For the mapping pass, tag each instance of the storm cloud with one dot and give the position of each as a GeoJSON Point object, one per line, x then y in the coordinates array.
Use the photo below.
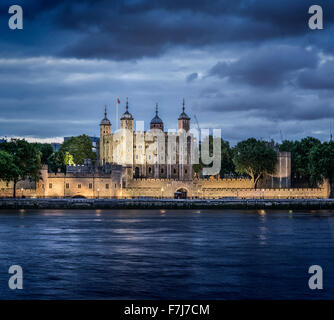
{"type": "Point", "coordinates": [267, 66]}
{"type": "Point", "coordinates": [250, 67]}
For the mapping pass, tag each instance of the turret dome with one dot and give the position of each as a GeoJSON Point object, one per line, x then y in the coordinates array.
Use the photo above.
{"type": "Point", "coordinates": [183, 115]}
{"type": "Point", "coordinates": [156, 122]}
{"type": "Point", "coordinates": [105, 121]}
{"type": "Point", "coordinates": [127, 115]}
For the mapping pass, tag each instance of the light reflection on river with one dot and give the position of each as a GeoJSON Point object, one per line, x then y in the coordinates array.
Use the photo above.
{"type": "Point", "coordinates": [166, 254]}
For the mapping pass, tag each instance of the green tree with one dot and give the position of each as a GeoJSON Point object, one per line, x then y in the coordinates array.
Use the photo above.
{"type": "Point", "coordinates": [300, 157]}
{"type": "Point", "coordinates": [8, 170]}
{"type": "Point", "coordinates": [26, 158]}
{"type": "Point", "coordinates": [227, 166]}
{"type": "Point", "coordinates": [68, 159]}
{"type": "Point", "coordinates": [56, 161]}
{"type": "Point", "coordinates": [322, 162]}
{"type": "Point", "coordinates": [80, 148]}
{"type": "Point", "coordinates": [46, 151]}
{"type": "Point", "coordinates": [255, 158]}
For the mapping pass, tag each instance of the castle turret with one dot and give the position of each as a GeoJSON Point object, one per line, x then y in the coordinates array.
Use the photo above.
{"type": "Point", "coordinates": [105, 125]}
{"type": "Point", "coordinates": [156, 122]}
{"type": "Point", "coordinates": [105, 131]}
{"type": "Point", "coordinates": [127, 119]}
{"type": "Point", "coordinates": [183, 120]}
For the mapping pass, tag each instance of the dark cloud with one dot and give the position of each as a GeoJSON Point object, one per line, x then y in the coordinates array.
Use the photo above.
{"type": "Point", "coordinates": [267, 66]}
{"type": "Point", "coordinates": [278, 105]}
{"type": "Point", "coordinates": [191, 77]}
{"type": "Point", "coordinates": [267, 70]}
{"type": "Point", "coordinates": [132, 29]}
{"type": "Point", "coordinates": [321, 78]}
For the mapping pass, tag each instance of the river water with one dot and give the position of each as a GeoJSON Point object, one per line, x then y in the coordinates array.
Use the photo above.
{"type": "Point", "coordinates": [166, 254]}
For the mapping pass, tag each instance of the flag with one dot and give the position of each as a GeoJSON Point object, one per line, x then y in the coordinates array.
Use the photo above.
{"type": "Point", "coordinates": [118, 101]}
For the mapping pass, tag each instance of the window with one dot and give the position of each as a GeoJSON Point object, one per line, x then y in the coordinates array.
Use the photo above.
{"type": "Point", "coordinates": [174, 170]}
{"type": "Point", "coordinates": [50, 185]}
{"type": "Point", "coordinates": [107, 186]}
{"type": "Point", "coordinates": [185, 171]}
{"type": "Point", "coordinates": [67, 185]}
{"type": "Point", "coordinates": [90, 186]}
{"type": "Point", "coordinates": [115, 186]}
{"type": "Point", "coordinates": [162, 170]}
{"type": "Point", "coordinates": [79, 186]}
{"type": "Point", "coordinates": [7, 185]}
{"type": "Point", "coordinates": [149, 170]}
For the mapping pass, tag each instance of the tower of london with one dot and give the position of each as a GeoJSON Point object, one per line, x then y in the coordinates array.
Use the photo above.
{"type": "Point", "coordinates": [155, 153]}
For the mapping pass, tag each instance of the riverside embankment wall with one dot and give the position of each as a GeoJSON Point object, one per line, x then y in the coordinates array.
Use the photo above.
{"type": "Point", "coordinates": [215, 189]}
{"type": "Point", "coordinates": [97, 204]}
{"type": "Point", "coordinates": [69, 186]}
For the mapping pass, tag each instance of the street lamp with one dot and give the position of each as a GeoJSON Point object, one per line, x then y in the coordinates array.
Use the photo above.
{"type": "Point", "coordinates": [162, 190]}
{"type": "Point", "coordinates": [98, 193]}
{"type": "Point", "coordinates": [21, 192]}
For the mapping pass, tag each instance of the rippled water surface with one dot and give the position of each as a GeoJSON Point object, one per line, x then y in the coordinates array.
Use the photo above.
{"type": "Point", "coordinates": [157, 254]}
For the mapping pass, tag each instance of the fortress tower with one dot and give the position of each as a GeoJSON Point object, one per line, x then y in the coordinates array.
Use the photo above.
{"type": "Point", "coordinates": [105, 125]}
{"type": "Point", "coordinates": [156, 122]}
{"type": "Point", "coordinates": [138, 152]}
{"type": "Point", "coordinates": [127, 119]}
{"type": "Point", "coordinates": [105, 132]}
{"type": "Point", "coordinates": [183, 120]}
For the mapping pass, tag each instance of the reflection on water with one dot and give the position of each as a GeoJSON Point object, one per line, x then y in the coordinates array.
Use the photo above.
{"type": "Point", "coordinates": [166, 254]}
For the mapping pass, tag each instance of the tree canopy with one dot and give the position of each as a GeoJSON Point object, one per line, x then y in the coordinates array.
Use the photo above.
{"type": "Point", "coordinates": [322, 162]}
{"type": "Point", "coordinates": [76, 149]}
{"type": "Point", "coordinates": [300, 157]}
{"type": "Point", "coordinates": [24, 157]}
{"type": "Point", "coordinates": [227, 166]}
{"type": "Point", "coordinates": [46, 151]}
{"type": "Point", "coordinates": [72, 151]}
{"type": "Point", "coordinates": [255, 158]}
{"type": "Point", "coordinates": [8, 170]}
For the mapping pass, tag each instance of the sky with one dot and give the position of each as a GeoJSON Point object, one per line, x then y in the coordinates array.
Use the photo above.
{"type": "Point", "coordinates": [250, 67]}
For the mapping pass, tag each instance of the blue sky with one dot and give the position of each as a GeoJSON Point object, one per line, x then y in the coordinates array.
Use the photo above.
{"type": "Point", "coordinates": [251, 68]}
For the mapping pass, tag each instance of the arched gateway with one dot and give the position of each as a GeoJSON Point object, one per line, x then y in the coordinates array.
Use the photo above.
{"type": "Point", "coordinates": [181, 193]}
{"type": "Point", "coordinates": [79, 196]}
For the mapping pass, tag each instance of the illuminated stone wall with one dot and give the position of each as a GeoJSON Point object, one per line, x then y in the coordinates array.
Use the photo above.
{"type": "Point", "coordinates": [113, 185]}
